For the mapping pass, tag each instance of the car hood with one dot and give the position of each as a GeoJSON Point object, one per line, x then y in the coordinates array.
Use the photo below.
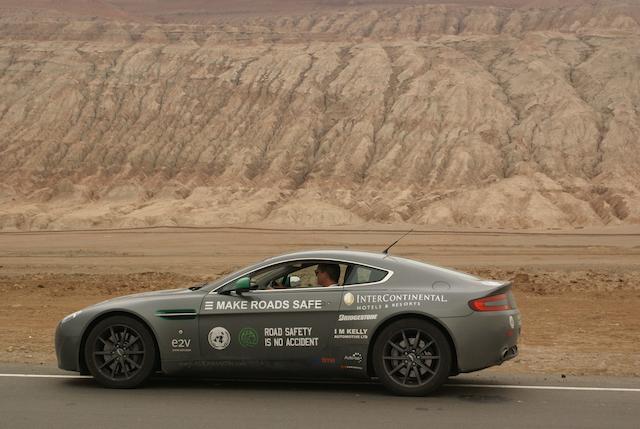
{"type": "Point", "coordinates": [146, 295]}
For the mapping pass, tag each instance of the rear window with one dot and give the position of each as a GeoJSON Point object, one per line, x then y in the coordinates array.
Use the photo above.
{"type": "Point", "coordinates": [358, 274]}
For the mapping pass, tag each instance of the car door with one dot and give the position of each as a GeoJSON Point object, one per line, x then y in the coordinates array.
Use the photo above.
{"type": "Point", "coordinates": [271, 329]}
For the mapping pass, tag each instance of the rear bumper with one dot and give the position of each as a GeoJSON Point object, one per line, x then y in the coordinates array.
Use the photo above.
{"type": "Point", "coordinates": [485, 339]}
{"type": "Point", "coordinates": [67, 350]}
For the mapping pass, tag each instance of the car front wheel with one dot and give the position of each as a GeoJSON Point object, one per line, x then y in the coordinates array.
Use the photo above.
{"type": "Point", "coordinates": [412, 357]}
{"type": "Point", "coordinates": [120, 352]}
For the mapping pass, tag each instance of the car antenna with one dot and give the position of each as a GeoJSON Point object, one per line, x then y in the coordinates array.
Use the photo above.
{"type": "Point", "coordinates": [386, 251]}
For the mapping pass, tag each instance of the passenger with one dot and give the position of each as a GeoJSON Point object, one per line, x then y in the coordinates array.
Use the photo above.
{"type": "Point", "coordinates": [328, 275]}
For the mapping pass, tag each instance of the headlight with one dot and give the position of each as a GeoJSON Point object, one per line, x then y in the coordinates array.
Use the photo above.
{"type": "Point", "coordinates": [70, 316]}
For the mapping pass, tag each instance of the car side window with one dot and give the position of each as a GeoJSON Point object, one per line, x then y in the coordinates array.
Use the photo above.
{"type": "Point", "coordinates": [265, 277]}
{"type": "Point", "coordinates": [291, 275]}
{"type": "Point", "coordinates": [358, 274]}
{"type": "Point", "coordinates": [306, 277]}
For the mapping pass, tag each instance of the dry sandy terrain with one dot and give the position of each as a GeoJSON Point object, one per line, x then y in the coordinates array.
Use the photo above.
{"type": "Point", "coordinates": [506, 113]}
{"type": "Point", "coordinates": [579, 291]}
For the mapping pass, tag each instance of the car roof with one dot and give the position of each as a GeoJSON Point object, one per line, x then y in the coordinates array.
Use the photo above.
{"type": "Point", "coordinates": [379, 259]}
{"type": "Point", "coordinates": [340, 254]}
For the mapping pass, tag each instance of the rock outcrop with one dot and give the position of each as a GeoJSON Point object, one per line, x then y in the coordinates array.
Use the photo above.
{"type": "Point", "coordinates": [467, 115]}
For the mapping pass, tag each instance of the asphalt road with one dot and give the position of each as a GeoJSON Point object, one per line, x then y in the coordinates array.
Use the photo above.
{"type": "Point", "coordinates": [467, 401]}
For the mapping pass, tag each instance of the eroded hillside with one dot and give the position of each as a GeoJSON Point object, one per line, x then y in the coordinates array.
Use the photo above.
{"type": "Point", "coordinates": [430, 114]}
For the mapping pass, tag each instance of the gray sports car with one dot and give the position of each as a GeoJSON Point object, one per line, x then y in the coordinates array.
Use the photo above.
{"type": "Point", "coordinates": [317, 314]}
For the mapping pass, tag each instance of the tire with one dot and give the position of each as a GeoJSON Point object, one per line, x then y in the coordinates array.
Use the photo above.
{"type": "Point", "coordinates": [412, 357]}
{"type": "Point", "coordinates": [120, 352]}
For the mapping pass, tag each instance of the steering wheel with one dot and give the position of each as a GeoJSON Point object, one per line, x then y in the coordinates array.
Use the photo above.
{"type": "Point", "coordinates": [273, 284]}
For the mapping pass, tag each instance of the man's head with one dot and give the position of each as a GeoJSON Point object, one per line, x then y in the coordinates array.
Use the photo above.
{"type": "Point", "coordinates": [328, 274]}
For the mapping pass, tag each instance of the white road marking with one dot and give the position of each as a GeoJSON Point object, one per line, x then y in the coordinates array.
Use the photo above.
{"type": "Point", "coordinates": [509, 386]}
{"type": "Point", "coordinates": [484, 386]}
{"type": "Point", "coordinates": [44, 376]}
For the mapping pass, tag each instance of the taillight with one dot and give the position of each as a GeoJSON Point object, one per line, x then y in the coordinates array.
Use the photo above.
{"type": "Point", "coordinates": [498, 302]}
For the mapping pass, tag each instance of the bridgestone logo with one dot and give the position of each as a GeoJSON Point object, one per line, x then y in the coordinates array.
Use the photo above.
{"type": "Point", "coordinates": [351, 317]}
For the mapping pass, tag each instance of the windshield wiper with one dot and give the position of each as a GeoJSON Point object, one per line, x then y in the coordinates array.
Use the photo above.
{"type": "Point", "coordinates": [198, 286]}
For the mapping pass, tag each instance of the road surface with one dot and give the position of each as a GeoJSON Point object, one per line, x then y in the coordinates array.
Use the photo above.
{"type": "Point", "coordinates": [480, 401]}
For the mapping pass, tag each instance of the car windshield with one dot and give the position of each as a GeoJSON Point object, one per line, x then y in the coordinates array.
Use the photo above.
{"type": "Point", "coordinates": [228, 277]}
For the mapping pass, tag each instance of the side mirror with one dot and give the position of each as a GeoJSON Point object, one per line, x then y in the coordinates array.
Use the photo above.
{"type": "Point", "coordinates": [294, 281]}
{"type": "Point", "coordinates": [243, 284]}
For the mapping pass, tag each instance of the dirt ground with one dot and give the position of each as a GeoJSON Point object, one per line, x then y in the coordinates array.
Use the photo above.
{"type": "Point", "coordinates": [578, 291]}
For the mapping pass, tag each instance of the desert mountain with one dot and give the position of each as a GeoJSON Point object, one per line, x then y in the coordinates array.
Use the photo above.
{"type": "Point", "coordinates": [515, 114]}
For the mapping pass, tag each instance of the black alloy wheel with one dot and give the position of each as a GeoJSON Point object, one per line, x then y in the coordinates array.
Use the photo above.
{"type": "Point", "coordinates": [120, 352]}
{"type": "Point", "coordinates": [412, 357]}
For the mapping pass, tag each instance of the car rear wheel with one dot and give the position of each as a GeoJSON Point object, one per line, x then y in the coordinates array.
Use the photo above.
{"type": "Point", "coordinates": [412, 357]}
{"type": "Point", "coordinates": [120, 352]}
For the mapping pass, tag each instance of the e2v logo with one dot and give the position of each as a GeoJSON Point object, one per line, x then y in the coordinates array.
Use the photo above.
{"type": "Point", "coordinates": [181, 344]}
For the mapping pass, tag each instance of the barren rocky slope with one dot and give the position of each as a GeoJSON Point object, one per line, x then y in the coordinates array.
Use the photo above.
{"type": "Point", "coordinates": [469, 115]}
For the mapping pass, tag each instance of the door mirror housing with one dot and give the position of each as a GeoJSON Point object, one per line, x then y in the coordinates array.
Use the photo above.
{"type": "Point", "coordinates": [243, 284]}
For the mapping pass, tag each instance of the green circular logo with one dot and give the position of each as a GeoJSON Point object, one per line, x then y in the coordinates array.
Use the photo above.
{"type": "Point", "coordinates": [248, 337]}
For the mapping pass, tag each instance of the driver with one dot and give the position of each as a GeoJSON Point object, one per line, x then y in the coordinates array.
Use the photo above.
{"type": "Point", "coordinates": [327, 275]}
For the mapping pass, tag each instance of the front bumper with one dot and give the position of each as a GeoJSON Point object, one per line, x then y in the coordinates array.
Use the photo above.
{"type": "Point", "coordinates": [67, 349]}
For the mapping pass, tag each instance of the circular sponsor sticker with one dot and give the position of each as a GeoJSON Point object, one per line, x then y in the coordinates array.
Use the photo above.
{"type": "Point", "coordinates": [248, 337]}
{"type": "Point", "coordinates": [512, 323]}
{"type": "Point", "coordinates": [348, 298]}
{"type": "Point", "coordinates": [219, 338]}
